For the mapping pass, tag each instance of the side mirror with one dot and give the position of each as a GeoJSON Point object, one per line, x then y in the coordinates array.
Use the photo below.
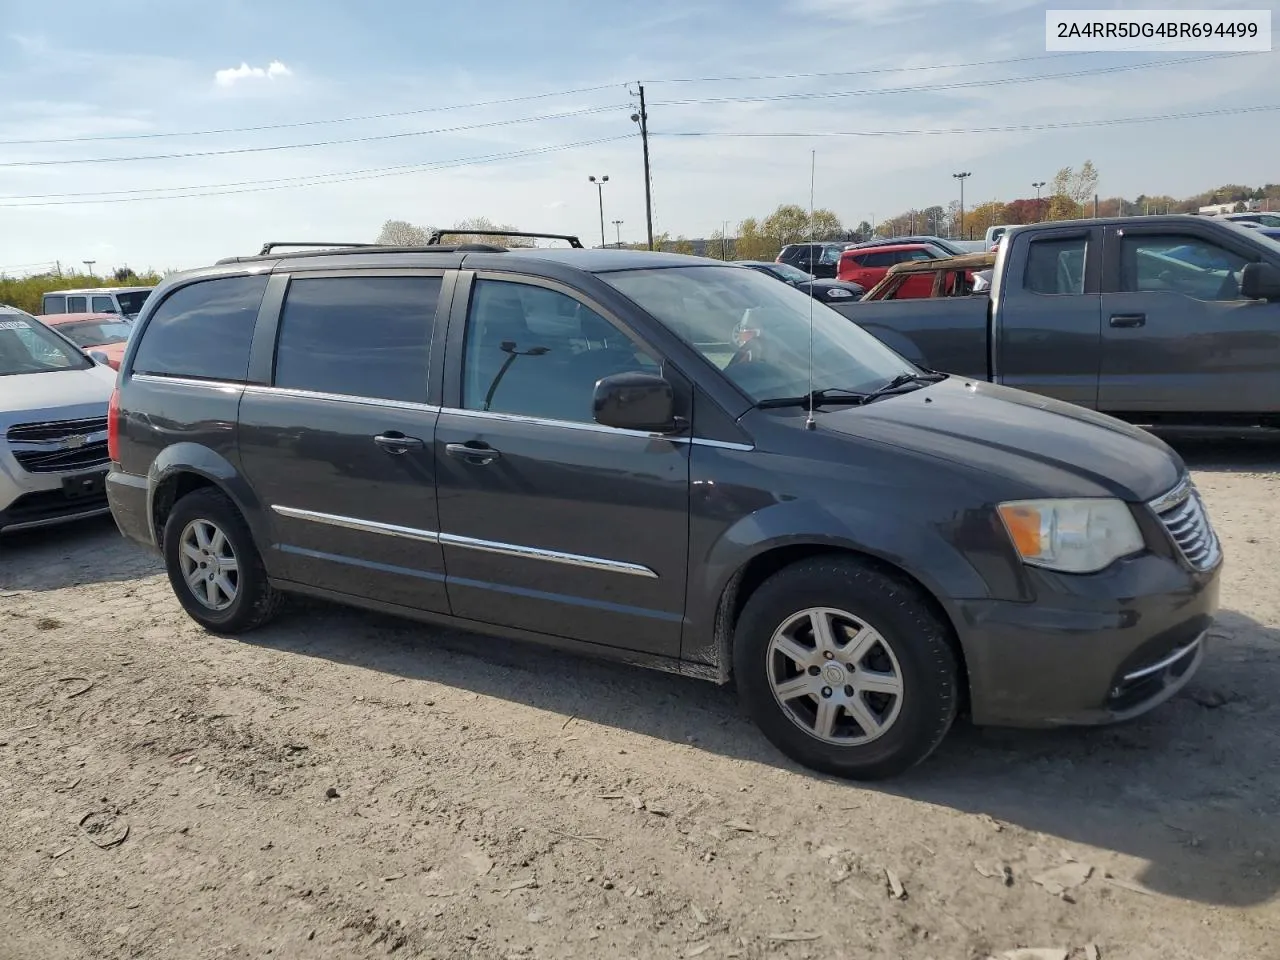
{"type": "Point", "coordinates": [635, 401]}
{"type": "Point", "coordinates": [1260, 281]}
{"type": "Point", "coordinates": [99, 357]}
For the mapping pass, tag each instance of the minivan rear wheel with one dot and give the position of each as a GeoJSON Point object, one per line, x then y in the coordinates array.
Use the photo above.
{"type": "Point", "coordinates": [845, 668]}
{"type": "Point", "coordinates": [214, 567]}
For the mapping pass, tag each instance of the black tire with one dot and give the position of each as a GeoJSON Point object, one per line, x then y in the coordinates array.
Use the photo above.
{"type": "Point", "coordinates": [926, 663]}
{"type": "Point", "coordinates": [256, 601]}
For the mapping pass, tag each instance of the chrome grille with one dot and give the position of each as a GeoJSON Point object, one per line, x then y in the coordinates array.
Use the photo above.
{"type": "Point", "coordinates": [1183, 514]}
{"type": "Point", "coordinates": [55, 430]}
{"type": "Point", "coordinates": [59, 446]}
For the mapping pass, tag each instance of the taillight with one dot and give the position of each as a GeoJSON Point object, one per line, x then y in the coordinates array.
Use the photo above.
{"type": "Point", "coordinates": [113, 426]}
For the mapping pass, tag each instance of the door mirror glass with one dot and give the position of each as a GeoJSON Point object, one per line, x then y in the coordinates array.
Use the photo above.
{"type": "Point", "coordinates": [635, 401]}
{"type": "Point", "coordinates": [1260, 281]}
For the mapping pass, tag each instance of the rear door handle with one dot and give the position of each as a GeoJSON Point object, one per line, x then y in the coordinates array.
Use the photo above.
{"type": "Point", "coordinates": [474, 451]}
{"type": "Point", "coordinates": [1128, 319]}
{"type": "Point", "coordinates": [395, 442]}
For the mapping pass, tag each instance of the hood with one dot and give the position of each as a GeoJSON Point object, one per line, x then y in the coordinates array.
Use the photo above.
{"type": "Point", "coordinates": [1052, 448]}
{"type": "Point", "coordinates": [63, 395]}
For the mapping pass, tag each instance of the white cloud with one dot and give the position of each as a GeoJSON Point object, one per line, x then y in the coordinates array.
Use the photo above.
{"type": "Point", "coordinates": [232, 75]}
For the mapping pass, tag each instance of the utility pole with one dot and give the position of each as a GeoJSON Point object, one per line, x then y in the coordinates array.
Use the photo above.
{"type": "Point", "coordinates": [1039, 210]}
{"type": "Point", "coordinates": [724, 242]}
{"type": "Point", "coordinates": [617, 226]}
{"type": "Point", "coordinates": [642, 118]}
{"type": "Point", "coordinates": [89, 265]}
{"type": "Point", "coordinates": [1095, 205]}
{"type": "Point", "coordinates": [962, 177]}
{"type": "Point", "coordinates": [600, 190]}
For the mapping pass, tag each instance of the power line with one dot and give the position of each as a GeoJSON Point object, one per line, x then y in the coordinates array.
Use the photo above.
{"type": "Point", "coordinates": [309, 123]}
{"type": "Point", "coordinates": [317, 181]}
{"type": "Point", "coordinates": [954, 85]}
{"type": "Point", "coordinates": [1009, 128]}
{"type": "Point", "coordinates": [299, 146]}
{"type": "Point", "coordinates": [872, 71]}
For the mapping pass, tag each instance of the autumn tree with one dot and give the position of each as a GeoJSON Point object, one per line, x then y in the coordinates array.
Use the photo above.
{"type": "Point", "coordinates": [682, 245]}
{"type": "Point", "coordinates": [984, 215]}
{"type": "Point", "coordinates": [721, 247]}
{"type": "Point", "coordinates": [1069, 191]}
{"type": "Point", "coordinates": [401, 233]}
{"type": "Point", "coordinates": [752, 244]}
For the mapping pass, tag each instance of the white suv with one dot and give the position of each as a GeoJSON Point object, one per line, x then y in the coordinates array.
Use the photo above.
{"type": "Point", "coordinates": [53, 426]}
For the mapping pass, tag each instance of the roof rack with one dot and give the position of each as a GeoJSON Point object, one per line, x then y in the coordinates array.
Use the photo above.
{"type": "Point", "coordinates": [268, 247]}
{"type": "Point", "coordinates": [434, 239]}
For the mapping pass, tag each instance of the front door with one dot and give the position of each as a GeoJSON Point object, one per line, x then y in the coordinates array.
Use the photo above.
{"type": "Point", "coordinates": [1049, 338]}
{"type": "Point", "coordinates": [340, 447]}
{"type": "Point", "coordinates": [551, 522]}
{"type": "Point", "coordinates": [1177, 335]}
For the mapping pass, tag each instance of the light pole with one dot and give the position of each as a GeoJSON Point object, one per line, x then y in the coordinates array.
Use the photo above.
{"type": "Point", "coordinates": [1039, 213]}
{"type": "Point", "coordinates": [962, 177]}
{"type": "Point", "coordinates": [617, 227]}
{"type": "Point", "coordinates": [89, 265]}
{"type": "Point", "coordinates": [600, 182]}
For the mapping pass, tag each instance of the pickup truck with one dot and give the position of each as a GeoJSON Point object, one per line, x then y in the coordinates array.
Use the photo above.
{"type": "Point", "coordinates": [1155, 320]}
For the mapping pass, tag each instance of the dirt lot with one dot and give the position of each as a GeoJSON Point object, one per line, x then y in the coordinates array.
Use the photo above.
{"type": "Point", "coordinates": [344, 785]}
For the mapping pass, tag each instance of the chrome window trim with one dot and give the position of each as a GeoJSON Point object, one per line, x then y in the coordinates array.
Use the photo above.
{"type": "Point", "coordinates": [592, 428]}
{"type": "Point", "coordinates": [467, 543]}
{"type": "Point", "coordinates": [260, 389]}
{"type": "Point", "coordinates": [188, 381]}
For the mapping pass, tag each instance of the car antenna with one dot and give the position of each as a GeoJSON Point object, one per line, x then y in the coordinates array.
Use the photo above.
{"type": "Point", "coordinates": [810, 423]}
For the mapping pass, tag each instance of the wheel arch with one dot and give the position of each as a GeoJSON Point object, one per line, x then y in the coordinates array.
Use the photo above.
{"type": "Point", "coordinates": [753, 572]}
{"type": "Point", "coordinates": [186, 467]}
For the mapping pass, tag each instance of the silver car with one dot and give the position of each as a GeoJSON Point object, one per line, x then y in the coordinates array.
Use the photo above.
{"type": "Point", "coordinates": [53, 426]}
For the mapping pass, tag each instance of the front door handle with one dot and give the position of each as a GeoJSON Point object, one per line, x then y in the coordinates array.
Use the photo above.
{"type": "Point", "coordinates": [395, 442]}
{"type": "Point", "coordinates": [474, 451]}
{"type": "Point", "coordinates": [1128, 319]}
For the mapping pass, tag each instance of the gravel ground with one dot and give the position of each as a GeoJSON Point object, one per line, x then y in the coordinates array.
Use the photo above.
{"type": "Point", "coordinates": [343, 785]}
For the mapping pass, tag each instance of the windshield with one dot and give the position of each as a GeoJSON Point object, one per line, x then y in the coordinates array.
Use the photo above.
{"type": "Point", "coordinates": [757, 330]}
{"type": "Point", "coordinates": [131, 301]}
{"type": "Point", "coordinates": [27, 346]}
{"type": "Point", "coordinates": [95, 333]}
{"type": "Point", "coordinates": [790, 273]}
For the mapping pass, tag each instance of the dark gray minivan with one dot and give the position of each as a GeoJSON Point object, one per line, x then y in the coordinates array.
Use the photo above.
{"type": "Point", "coordinates": [578, 447]}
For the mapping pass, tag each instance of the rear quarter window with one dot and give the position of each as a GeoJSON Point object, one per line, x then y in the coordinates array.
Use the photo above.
{"type": "Point", "coordinates": [203, 330]}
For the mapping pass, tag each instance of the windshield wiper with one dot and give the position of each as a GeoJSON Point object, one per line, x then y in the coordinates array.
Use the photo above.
{"type": "Point", "coordinates": [817, 398]}
{"type": "Point", "coordinates": [902, 380]}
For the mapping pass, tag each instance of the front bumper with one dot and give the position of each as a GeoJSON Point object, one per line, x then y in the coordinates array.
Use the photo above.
{"type": "Point", "coordinates": [1091, 649]}
{"type": "Point", "coordinates": [31, 500]}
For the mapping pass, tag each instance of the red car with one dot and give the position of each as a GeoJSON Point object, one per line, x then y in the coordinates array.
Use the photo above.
{"type": "Point", "coordinates": [867, 266]}
{"type": "Point", "coordinates": [106, 333]}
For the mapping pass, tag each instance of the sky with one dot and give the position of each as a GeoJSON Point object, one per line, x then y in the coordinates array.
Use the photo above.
{"type": "Point", "coordinates": [503, 109]}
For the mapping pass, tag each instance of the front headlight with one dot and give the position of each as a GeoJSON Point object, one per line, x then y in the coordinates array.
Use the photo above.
{"type": "Point", "coordinates": [835, 293]}
{"type": "Point", "coordinates": [1071, 536]}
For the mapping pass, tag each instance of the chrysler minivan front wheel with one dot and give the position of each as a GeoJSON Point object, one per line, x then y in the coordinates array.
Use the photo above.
{"type": "Point", "coordinates": [213, 565]}
{"type": "Point", "coordinates": [846, 669]}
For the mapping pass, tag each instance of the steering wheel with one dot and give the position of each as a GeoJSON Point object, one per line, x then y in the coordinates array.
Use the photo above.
{"type": "Point", "coordinates": [754, 350]}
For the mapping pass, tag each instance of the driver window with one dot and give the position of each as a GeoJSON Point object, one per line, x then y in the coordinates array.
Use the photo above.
{"type": "Point", "coordinates": [1055, 267]}
{"type": "Point", "coordinates": [538, 352]}
{"type": "Point", "coordinates": [1173, 263]}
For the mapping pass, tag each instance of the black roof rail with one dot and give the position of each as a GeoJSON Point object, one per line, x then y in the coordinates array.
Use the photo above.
{"type": "Point", "coordinates": [434, 239]}
{"type": "Point", "coordinates": [268, 247]}
{"type": "Point", "coordinates": [366, 248]}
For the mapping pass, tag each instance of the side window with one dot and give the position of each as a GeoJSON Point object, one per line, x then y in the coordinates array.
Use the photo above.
{"type": "Point", "coordinates": [77, 305]}
{"type": "Point", "coordinates": [358, 336]}
{"type": "Point", "coordinates": [538, 353]}
{"type": "Point", "coordinates": [203, 330]}
{"type": "Point", "coordinates": [878, 260]}
{"type": "Point", "coordinates": [1173, 263]}
{"type": "Point", "coordinates": [918, 255]}
{"type": "Point", "coordinates": [104, 305]}
{"type": "Point", "coordinates": [54, 304]}
{"type": "Point", "coordinates": [1055, 267]}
